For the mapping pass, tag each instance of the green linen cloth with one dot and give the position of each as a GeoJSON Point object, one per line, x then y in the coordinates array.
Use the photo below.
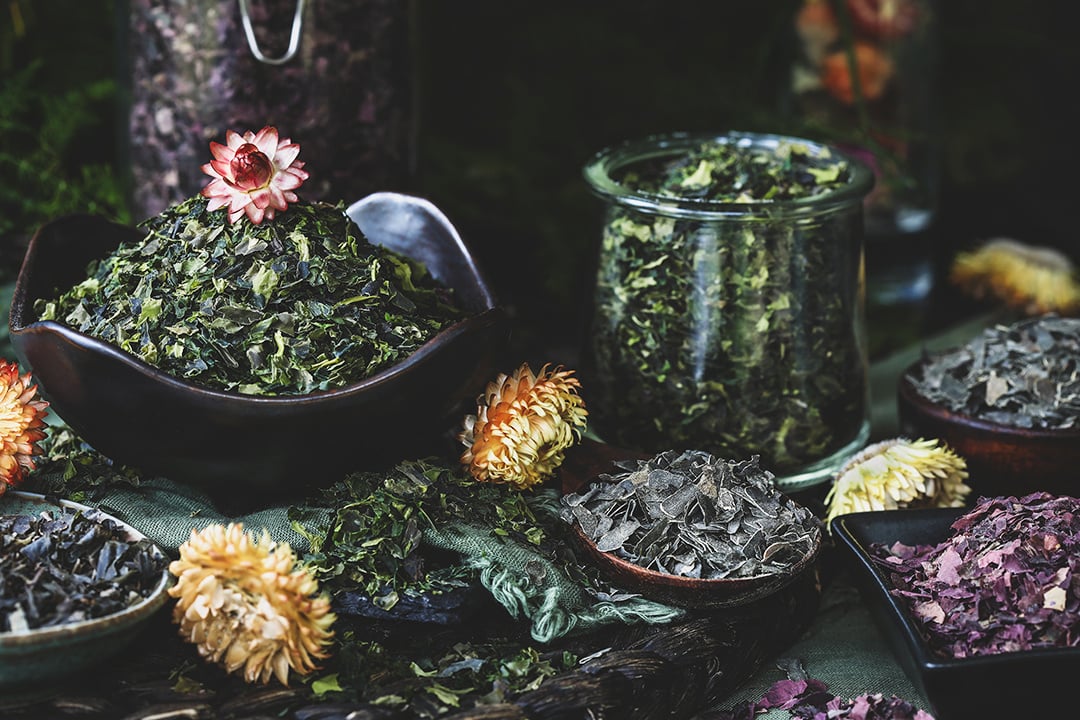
{"type": "Point", "coordinates": [528, 584]}
{"type": "Point", "coordinates": [844, 649]}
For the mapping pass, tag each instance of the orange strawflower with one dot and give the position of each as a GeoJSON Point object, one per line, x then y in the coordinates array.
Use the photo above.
{"type": "Point", "coordinates": [22, 424]}
{"type": "Point", "coordinates": [248, 605]}
{"type": "Point", "coordinates": [254, 173]}
{"type": "Point", "coordinates": [522, 425]}
{"type": "Point", "coordinates": [874, 67]}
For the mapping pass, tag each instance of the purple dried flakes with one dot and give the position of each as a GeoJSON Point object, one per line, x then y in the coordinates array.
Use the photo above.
{"type": "Point", "coordinates": [810, 699]}
{"type": "Point", "coordinates": [1005, 580]}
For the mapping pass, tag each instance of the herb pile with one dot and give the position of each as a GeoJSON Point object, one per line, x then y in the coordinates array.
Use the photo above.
{"type": "Point", "coordinates": [373, 542]}
{"type": "Point", "coordinates": [69, 568]}
{"type": "Point", "coordinates": [695, 515]}
{"type": "Point", "coordinates": [726, 172]}
{"type": "Point", "coordinates": [1005, 580]}
{"type": "Point", "coordinates": [735, 335]}
{"type": "Point", "coordinates": [464, 675]}
{"type": "Point", "coordinates": [294, 305]}
{"type": "Point", "coordinates": [1024, 375]}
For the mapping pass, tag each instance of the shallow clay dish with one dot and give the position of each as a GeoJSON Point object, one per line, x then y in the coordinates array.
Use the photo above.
{"type": "Point", "coordinates": [245, 449]}
{"type": "Point", "coordinates": [32, 658]}
{"type": "Point", "coordinates": [591, 459]}
{"type": "Point", "coordinates": [1001, 459]}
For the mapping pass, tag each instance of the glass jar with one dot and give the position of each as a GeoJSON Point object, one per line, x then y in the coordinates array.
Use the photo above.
{"type": "Point", "coordinates": [333, 76]}
{"type": "Point", "coordinates": [734, 326]}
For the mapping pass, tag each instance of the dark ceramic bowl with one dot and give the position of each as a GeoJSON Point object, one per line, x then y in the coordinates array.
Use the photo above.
{"type": "Point", "coordinates": [585, 464]}
{"type": "Point", "coordinates": [33, 658]}
{"type": "Point", "coordinates": [1010, 685]}
{"type": "Point", "coordinates": [244, 449]}
{"type": "Point", "coordinates": [1001, 459]}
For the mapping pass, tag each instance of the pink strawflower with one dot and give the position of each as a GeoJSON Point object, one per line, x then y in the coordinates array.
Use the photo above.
{"type": "Point", "coordinates": [254, 173]}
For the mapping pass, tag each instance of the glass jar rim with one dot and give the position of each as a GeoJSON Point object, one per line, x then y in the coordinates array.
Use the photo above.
{"type": "Point", "coordinates": [599, 169]}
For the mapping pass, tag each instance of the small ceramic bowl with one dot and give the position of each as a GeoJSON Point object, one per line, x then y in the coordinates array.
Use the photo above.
{"type": "Point", "coordinates": [590, 460]}
{"type": "Point", "coordinates": [1001, 459]}
{"type": "Point", "coordinates": [33, 658]}
{"type": "Point", "coordinates": [244, 449]}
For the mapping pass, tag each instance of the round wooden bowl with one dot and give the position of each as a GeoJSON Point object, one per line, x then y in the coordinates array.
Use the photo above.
{"type": "Point", "coordinates": [690, 592]}
{"type": "Point", "coordinates": [584, 463]}
{"type": "Point", "coordinates": [1001, 459]}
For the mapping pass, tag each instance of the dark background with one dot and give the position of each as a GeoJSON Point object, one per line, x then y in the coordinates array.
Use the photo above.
{"type": "Point", "coordinates": [512, 97]}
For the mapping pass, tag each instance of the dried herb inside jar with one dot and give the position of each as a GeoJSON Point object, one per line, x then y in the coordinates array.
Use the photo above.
{"type": "Point", "coordinates": [732, 328]}
{"type": "Point", "coordinates": [692, 514]}
{"type": "Point", "coordinates": [65, 568]}
{"type": "Point", "coordinates": [299, 303]}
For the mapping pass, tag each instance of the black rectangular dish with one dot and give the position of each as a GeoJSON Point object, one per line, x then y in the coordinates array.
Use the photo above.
{"type": "Point", "coordinates": [1032, 683]}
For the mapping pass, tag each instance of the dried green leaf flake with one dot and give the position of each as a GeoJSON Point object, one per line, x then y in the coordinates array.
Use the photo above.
{"type": "Point", "coordinates": [297, 304]}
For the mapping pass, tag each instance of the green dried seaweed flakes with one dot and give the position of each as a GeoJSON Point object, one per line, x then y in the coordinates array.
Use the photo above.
{"type": "Point", "coordinates": [373, 541]}
{"type": "Point", "coordinates": [297, 304]}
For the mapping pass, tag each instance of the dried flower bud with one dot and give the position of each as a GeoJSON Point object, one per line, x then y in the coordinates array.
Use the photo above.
{"type": "Point", "coordinates": [254, 174]}
{"type": "Point", "coordinates": [247, 604]}
{"type": "Point", "coordinates": [1033, 280]}
{"type": "Point", "coordinates": [22, 423]}
{"type": "Point", "coordinates": [899, 473]}
{"type": "Point", "coordinates": [522, 425]}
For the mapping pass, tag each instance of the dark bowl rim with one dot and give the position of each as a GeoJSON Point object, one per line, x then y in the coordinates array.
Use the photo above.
{"type": "Point", "coordinates": [909, 396]}
{"type": "Point", "coordinates": [898, 613]}
{"type": "Point", "coordinates": [490, 315]}
{"type": "Point", "coordinates": [129, 615]}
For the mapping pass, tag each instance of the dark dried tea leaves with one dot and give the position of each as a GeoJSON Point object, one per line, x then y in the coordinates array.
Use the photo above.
{"type": "Point", "coordinates": [694, 515]}
{"type": "Point", "coordinates": [296, 304]}
{"type": "Point", "coordinates": [66, 568]}
{"type": "Point", "coordinates": [1005, 579]}
{"type": "Point", "coordinates": [1025, 375]}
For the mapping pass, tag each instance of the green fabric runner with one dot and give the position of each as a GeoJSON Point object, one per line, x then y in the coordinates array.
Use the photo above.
{"type": "Point", "coordinates": [167, 512]}
{"type": "Point", "coordinates": [529, 585]}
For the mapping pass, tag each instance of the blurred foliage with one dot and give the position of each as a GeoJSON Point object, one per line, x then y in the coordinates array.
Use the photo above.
{"type": "Point", "coordinates": [56, 115]}
{"type": "Point", "coordinates": [38, 134]}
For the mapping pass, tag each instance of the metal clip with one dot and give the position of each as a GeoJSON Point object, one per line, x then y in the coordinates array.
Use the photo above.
{"type": "Point", "coordinates": [294, 38]}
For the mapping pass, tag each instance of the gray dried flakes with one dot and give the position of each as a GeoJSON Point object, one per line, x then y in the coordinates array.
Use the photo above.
{"type": "Point", "coordinates": [692, 514]}
{"type": "Point", "coordinates": [1025, 375]}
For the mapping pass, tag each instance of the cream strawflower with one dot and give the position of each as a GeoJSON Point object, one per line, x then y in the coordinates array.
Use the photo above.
{"type": "Point", "coordinates": [22, 423]}
{"type": "Point", "coordinates": [247, 605]}
{"type": "Point", "coordinates": [1034, 280]}
{"type": "Point", "coordinates": [254, 173]}
{"type": "Point", "coordinates": [522, 425]}
{"type": "Point", "coordinates": [899, 473]}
